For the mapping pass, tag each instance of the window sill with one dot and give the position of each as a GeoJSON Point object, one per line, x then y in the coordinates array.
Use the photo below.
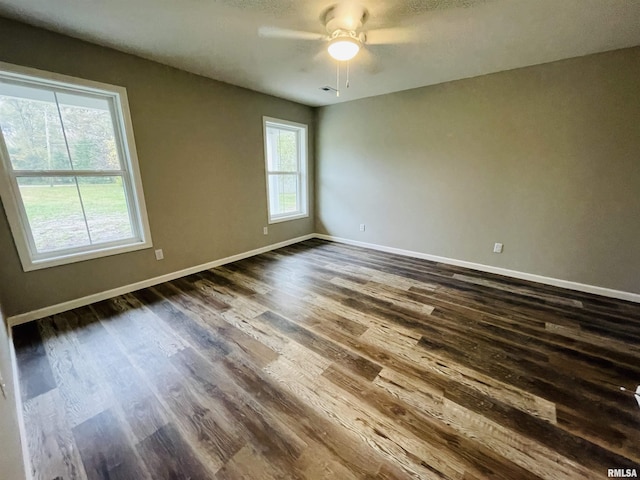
{"type": "Point", "coordinates": [29, 265]}
{"type": "Point", "coordinates": [297, 216]}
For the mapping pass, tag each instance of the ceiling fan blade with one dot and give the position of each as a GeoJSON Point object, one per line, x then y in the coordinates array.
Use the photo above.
{"type": "Point", "coordinates": [275, 32]}
{"type": "Point", "coordinates": [315, 61]}
{"type": "Point", "coordinates": [368, 61]}
{"type": "Point", "coordinates": [388, 36]}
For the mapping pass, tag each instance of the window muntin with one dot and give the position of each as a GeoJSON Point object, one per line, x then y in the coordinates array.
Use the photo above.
{"type": "Point", "coordinates": [286, 167]}
{"type": "Point", "coordinates": [70, 180]}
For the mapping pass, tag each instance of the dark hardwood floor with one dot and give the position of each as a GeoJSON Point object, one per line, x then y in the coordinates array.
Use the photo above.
{"type": "Point", "coordinates": [322, 360]}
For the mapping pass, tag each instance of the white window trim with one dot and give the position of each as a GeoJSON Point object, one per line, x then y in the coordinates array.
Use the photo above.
{"type": "Point", "coordinates": [303, 155]}
{"type": "Point", "coordinates": [13, 208]}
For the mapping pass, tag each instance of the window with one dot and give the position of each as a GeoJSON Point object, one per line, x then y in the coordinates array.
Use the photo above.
{"type": "Point", "coordinates": [69, 176]}
{"type": "Point", "coordinates": [285, 145]}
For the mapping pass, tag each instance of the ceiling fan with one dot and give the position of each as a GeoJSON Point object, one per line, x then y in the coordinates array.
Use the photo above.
{"type": "Point", "coordinates": [345, 32]}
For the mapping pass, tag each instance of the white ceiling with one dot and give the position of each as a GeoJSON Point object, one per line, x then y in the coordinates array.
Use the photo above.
{"type": "Point", "coordinates": [451, 39]}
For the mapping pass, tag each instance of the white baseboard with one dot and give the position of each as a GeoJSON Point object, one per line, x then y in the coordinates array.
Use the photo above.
{"type": "Point", "coordinates": [556, 282]}
{"type": "Point", "coordinates": [97, 297]}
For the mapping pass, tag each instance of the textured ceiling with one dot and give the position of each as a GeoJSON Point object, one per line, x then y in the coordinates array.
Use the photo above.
{"type": "Point", "coordinates": [447, 39]}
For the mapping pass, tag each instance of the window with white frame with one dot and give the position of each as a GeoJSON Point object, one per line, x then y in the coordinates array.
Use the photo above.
{"type": "Point", "coordinates": [285, 145]}
{"type": "Point", "coordinates": [69, 177]}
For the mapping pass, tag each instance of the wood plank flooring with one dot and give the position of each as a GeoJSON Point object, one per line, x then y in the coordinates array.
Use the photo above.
{"type": "Point", "coordinates": [326, 361]}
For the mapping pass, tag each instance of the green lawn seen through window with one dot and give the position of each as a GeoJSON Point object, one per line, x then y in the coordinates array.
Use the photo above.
{"type": "Point", "coordinates": [47, 201]}
{"type": "Point", "coordinates": [56, 217]}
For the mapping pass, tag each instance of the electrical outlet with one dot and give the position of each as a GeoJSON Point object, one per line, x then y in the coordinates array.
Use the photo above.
{"type": "Point", "coordinates": [497, 248]}
{"type": "Point", "coordinates": [362, 227]}
{"type": "Point", "coordinates": [265, 230]}
{"type": "Point", "coordinates": [159, 254]}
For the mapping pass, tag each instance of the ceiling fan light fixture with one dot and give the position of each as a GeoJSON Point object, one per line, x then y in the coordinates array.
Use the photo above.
{"type": "Point", "coordinates": [343, 48]}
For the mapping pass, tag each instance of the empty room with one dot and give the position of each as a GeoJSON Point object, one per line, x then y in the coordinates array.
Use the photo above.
{"type": "Point", "coordinates": [321, 239]}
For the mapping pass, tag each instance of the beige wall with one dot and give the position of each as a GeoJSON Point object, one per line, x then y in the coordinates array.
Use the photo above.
{"type": "Point", "coordinates": [200, 150]}
{"type": "Point", "coordinates": [544, 159]}
{"type": "Point", "coordinates": [11, 459]}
